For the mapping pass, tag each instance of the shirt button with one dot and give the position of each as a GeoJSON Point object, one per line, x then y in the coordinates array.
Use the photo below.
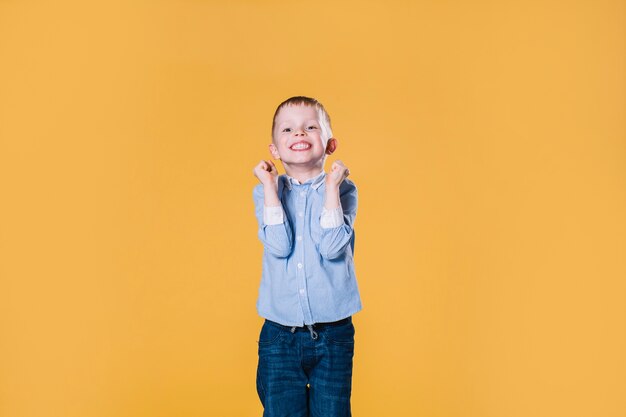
{"type": "Point", "coordinates": [299, 265]}
{"type": "Point", "coordinates": [302, 193]}
{"type": "Point", "coordinates": [298, 237]}
{"type": "Point", "coordinates": [300, 214]}
{"type": "Point", "coordinates": [301, 290]}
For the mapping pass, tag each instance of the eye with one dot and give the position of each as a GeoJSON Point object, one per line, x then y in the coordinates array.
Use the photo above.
{"type": "Point", "coordinates": [312, 127]}
{"type": "Point", "coordinates": [287, 129]}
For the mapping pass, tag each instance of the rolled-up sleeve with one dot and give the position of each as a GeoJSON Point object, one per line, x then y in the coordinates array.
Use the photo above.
{"type": "Point", "coordinates": [274, 229]}
{"type": "Point", "coordinates": [331, 218]}
{"type": "Point", "coordinates": [338, 232]}
{"type": "Point", "coordinates": [273, 215]}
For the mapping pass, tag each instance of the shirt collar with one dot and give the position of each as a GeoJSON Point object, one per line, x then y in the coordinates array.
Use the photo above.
{"type": "Point", "coordinates": [315, 182]}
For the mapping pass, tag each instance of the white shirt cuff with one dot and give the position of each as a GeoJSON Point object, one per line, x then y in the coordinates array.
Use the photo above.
{"type": "Point", "coordinates": [331, 218]}
{"type": "Point", "coordinates": [273, 215]}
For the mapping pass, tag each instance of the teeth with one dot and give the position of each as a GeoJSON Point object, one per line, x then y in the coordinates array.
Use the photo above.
{"type": "Point", "coordinates": [301, 145]}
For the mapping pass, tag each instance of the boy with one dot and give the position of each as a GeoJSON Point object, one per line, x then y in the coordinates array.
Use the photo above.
{"type": "Point", "coordinates": [308, 290]}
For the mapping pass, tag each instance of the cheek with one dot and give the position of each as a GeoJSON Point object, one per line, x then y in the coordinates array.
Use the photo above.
{"type": "Point", "coordinates": [320, 140]}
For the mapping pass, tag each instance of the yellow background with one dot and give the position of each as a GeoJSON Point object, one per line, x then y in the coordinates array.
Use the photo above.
{"type": "Point", "coordinates": [488, 142]}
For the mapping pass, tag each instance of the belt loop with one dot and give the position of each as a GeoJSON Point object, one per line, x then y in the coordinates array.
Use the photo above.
{"type": "Point", "coordinates": [293, 329]}
{"type": "Point", "coordinates": [313, 332]}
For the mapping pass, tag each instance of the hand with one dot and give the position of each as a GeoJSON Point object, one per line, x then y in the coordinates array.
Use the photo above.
{"type": "Point", "coordinates": [266, 172]}
{"type": "Point", "coordinates": [338, 172]}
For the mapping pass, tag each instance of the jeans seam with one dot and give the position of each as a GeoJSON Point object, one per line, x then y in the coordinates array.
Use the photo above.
{"type": "Point", "coordinates": [339, 342]}
{"type": "Point", "coordinates": [270, 342]}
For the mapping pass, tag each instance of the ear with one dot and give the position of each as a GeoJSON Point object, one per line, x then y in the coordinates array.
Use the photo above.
{"type": "Point", "coordinates": [331, 145]}
{"type": "Point", "coordinates": [274, 151]}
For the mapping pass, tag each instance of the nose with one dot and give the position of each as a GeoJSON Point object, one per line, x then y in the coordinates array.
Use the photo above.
{"type": "Point", "coordinates": [299, 132]}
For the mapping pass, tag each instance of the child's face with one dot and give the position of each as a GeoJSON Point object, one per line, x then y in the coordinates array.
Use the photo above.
{"type": "Point", "coordinates": [300, 136]}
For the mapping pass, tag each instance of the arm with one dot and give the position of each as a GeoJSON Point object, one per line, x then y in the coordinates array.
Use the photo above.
{"type": "Point", "coordinates": [274, 229]}
{"type": "Point", "coordinates": [337, 220]}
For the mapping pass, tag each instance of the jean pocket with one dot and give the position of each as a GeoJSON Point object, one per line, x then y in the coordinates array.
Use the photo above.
{"type": "Point", "coordinates": [340, 335]}
{"type": "Point", "coordinates": [269, 335]}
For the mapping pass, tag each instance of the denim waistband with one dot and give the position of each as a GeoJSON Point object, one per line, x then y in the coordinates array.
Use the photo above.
{"type": "Point", "coordinates": [310, 327]}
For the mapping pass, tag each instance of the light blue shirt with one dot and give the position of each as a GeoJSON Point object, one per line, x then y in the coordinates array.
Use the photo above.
{"type": "Point", "coordinates": [308, 258]}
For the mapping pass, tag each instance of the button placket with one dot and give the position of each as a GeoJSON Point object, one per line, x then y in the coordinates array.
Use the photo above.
{"type": "Point", "coordinates": [301, 271]}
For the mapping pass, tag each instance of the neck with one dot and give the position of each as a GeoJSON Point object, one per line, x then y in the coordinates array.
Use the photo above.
{"type": "Point", "coordinates": [302, 174]}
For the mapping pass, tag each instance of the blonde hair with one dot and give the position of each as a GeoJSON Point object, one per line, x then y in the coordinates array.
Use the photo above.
{"type": "Point", "coordinates": [307, 101]}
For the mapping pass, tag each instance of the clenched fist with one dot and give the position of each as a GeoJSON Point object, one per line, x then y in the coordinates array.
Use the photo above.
{"type": "Point", "coordinates": [338, 172]}
{"type": "Point", "coordinates": [267, 173]}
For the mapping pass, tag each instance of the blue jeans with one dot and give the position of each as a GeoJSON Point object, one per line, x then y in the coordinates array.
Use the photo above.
{"type": "Point", "coordinates": [306, 372]}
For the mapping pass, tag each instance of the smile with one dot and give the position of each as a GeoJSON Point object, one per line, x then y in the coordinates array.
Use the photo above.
{"type": "Point", "coordinates": [300, 146]}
